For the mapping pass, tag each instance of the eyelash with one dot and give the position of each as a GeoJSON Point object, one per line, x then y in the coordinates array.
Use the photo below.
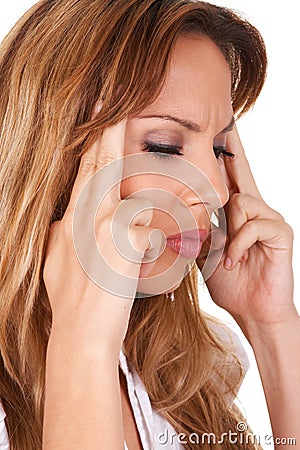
{"type": "Point", "coordinates": [162, 151]}
{"type": "Point", "coordinates": [221, 152]}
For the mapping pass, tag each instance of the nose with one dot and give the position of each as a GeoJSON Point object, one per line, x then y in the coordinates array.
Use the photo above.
{"type": "Point", "coordinates": [208, 186]}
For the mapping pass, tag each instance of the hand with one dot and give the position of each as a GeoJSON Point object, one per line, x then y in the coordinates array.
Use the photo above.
{"type": "Point", "coordinates": [253, 280]}
{"type": "Point", "coordinates": [76, 301]}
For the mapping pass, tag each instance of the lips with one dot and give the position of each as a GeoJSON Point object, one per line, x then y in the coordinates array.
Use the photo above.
{"type": "Point", "coordinates": [188, 243]}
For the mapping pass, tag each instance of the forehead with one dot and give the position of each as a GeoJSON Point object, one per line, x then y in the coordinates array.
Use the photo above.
{"type": "Point", "coordinates": [198, 82]}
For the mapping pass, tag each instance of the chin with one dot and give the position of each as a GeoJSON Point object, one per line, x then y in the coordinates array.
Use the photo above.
{"type": "Point", "coordinates": [153, 282]}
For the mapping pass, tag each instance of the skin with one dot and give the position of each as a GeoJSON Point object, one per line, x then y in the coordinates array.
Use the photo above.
{"type": "Point", "coordinates": [256, 287]}
{"type": "Point", "coordinates": [198, 89]}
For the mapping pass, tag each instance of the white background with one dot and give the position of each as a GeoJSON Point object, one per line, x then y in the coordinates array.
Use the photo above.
{"type": "Point", "coordinates": [270, 134]}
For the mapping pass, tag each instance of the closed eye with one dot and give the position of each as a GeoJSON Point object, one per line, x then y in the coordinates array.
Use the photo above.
{"type": "Point", "coordinates": [221, 151]}
{"type": "Point", "coordinates": [166, 151]}
{"type": "Point", "coordinates": [162, 151]}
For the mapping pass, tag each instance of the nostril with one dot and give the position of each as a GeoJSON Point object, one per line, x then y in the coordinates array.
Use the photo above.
{"type": "Point", "coordinates": [206, 189]}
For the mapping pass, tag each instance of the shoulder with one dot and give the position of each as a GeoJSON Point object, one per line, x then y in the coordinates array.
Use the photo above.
{"type": "Point", "coordinates": [230, 340]}
{"type": "Point", "coordinates": [229, 370]}
{"type": "Point", "coordinates": [4, 443]}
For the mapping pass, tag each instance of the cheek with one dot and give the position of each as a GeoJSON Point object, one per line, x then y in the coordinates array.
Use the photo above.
{"type": "Point", "coordinates": [134, 184]}
{"type": "Point", "coordinates": [127, 188]}
{"type": "Point", "coordinates": [143, 182]}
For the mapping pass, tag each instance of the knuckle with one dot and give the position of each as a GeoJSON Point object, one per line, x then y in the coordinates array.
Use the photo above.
{"type": "Point", "coordinates": [139, 238]}
{"type": "Point", "coordinates": [106, 156]}
{"type": "Point", "coordinates": [88, 166]}
{"type": "Point", "coordinates": [239, 201]}
{"type": "Point", "coordinates": [275, 214]}
{"type": "Point", "coordinates": [234, 197]}
{"type": "Point", "coordinates": [280, 216]}
{"type": "Point", "coordinates": [134, 239]}
{"type": "Point", "coordinates": [253, 226]}
{"type": "Point", "coordinates": [91, 165]}
{"type": "Point", "coordinates": [144, 217]}
{"type": "Point", "coordinates": [289, 231]}
{"type": "Point", "coordinates": [55, 226]}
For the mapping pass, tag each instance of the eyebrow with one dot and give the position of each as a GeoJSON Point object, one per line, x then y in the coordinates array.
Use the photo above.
{"type": "Point", "coordinates": [229, 126]}
{"type": "Point", "coordinates": [191, 126]}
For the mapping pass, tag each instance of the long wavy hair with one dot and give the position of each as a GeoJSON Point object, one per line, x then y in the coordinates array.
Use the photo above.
{"type": "Point", "coordinates": [59, 60]}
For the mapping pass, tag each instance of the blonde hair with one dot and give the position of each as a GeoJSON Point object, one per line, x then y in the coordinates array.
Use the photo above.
{"type": "Point", "coordinates": [56, 63]}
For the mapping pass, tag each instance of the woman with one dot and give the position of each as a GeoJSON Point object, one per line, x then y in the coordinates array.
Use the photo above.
{"type": "Point", "coordinates": [92, 91]}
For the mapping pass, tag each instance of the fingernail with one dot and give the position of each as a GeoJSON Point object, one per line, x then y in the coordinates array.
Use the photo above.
{"type": "Point", "coordinates": [228, 263]}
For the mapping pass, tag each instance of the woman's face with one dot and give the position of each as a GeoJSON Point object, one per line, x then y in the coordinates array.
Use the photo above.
{"type": "Point", "coordinates": [191, 115]}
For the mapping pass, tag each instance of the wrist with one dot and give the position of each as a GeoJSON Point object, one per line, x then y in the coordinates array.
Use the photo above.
{"type": "Point", "coordinates": [93, 323]}
{"type": "Point", "coordinates": [88, 338]}
{"type": "Point", "coordinates": [271, 333]}
{"type": "Point", "coordinates": [276, 349]}
{"type": "Point", "coordinates": [67, 349]}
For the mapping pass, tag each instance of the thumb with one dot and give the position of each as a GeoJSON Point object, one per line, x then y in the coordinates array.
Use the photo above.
{"type": "Point", "coordinates": [157, 241]}
{"type": "Point", "coordinates": [149, 243]}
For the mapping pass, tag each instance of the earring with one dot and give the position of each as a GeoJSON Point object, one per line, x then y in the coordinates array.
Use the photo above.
{"type": "Point", "coordinates": [170, 296]}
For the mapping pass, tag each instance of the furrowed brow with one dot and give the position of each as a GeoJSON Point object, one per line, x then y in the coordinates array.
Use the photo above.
{"type": "Point", "coordinates": [192, 126]}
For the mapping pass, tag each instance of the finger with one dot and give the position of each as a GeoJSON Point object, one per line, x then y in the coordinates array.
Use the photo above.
{"type": "Point", "coordinates": [157, 246]}
{"type": "Point", "coordinates": [146, 244]}
{"type": "Point", "coordinates": [144, 240]}
{"type": "Point", "coordinates": [214, 241]}
{"type": "Point", "coordinates": [268, 232]}
{"type": "Point", "coordinates": [108, 148]}
{"type": "Point", "coordinates": [131, 227]}
{"type": "Point", "coordinates": [242, 208]}
{"type": "Point", "coordinates": [238, 168]}
{"type": "Point", "coordinates": [110, 160]}
{"type": "Point", "coordinates": [212, 246]}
